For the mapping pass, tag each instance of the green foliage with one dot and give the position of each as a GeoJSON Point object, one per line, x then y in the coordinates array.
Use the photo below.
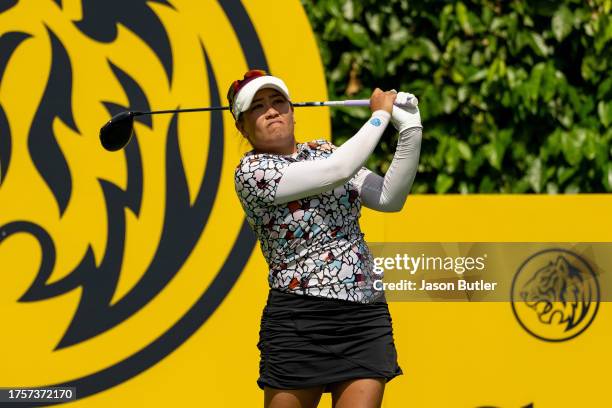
{"type": "Point", "coordinates": [515, 96]}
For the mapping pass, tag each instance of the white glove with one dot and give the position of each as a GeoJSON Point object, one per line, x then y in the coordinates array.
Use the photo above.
{"type": "Point", "coordinates": [407, 116]}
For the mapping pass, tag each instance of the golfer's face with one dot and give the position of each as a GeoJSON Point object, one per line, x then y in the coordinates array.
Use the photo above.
{"type": "Point", "coordinates": [269, 120]}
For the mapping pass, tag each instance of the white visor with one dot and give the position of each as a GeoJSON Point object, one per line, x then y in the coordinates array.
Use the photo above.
{"type": "Point", "coordinates": [242, 101]}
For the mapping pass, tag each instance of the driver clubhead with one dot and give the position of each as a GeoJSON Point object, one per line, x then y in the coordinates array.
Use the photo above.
{"type": "Point", "coordinates": [117, 132]}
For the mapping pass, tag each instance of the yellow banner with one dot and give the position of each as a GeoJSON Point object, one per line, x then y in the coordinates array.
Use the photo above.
{"type": "Point", "coordinates": [133, 277]}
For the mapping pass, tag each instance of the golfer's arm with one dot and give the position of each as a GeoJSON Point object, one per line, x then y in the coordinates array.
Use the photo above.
{"type": "Point", "coordinates": [307, 178]}
{"type": "Point", "coordinates": [388, 194]}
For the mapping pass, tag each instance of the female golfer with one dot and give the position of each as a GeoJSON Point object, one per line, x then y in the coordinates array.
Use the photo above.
{"type": "Point", "coordinates": [325, 328]}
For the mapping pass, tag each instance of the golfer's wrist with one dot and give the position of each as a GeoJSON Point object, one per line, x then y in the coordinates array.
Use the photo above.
{"type": "Point", "coordinates": [381, 114]}
{"type": "Point", "coordinates": [402, 119]}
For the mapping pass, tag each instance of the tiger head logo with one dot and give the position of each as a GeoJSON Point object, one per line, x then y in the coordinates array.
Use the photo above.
{"type": "Point", "coordinates": [557, 295]}
{"type": "Point", "coordinates": [99, 251]}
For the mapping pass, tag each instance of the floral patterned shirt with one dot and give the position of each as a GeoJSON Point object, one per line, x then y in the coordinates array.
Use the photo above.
{"type": "Point", "coordinates": [314, 245]}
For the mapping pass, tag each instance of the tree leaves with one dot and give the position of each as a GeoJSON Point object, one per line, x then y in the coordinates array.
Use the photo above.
{"type": "Point", "coordinates": [562, 23]}
{"type": "Point", "coordinates": [356, 33]}
{"type": "Point", "coordinates": [604, 110]}
{"type": "Point", "coordinates": [514, 96]}
{"type": "Point", "coordinates": [443, 183]}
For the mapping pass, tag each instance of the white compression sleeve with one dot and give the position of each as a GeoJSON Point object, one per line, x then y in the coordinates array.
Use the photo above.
{"type": "Point", "coordinates": [389, 193]}
{"type": "Point", "coordinates": [306, 178]}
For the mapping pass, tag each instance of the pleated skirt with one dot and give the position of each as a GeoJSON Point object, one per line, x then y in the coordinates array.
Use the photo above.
{"type": "Point", "coordinates": [307, 341]}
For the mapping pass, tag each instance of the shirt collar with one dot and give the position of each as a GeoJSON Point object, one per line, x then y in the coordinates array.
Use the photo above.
{"type": "Point", "coordinates": [301, 148]}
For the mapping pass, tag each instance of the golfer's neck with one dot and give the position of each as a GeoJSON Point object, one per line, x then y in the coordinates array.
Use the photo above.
{"type": "Point", "coordinates": [286, 150]}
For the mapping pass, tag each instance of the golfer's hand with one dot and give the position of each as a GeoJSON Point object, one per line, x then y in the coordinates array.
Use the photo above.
{"type": "Point", "coordinates": [407, 116]}
{"type": "Point", "coordinates": [382, 100]}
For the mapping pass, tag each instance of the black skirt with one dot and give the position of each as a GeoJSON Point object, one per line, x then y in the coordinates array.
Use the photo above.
{"type": "Point", "coordinates": [307, 341]}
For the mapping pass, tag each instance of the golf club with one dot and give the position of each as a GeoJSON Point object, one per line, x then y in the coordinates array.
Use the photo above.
{"type": "Point", "coordinates": [117, 132]}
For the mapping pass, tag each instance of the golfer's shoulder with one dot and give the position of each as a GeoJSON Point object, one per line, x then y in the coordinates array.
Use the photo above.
{"type": "Point", "coordinates": [252, 162]}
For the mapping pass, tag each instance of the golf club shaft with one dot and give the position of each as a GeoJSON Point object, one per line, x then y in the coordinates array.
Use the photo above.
{"type": "Point", "coordinates": [351, 102]}
{"type": "Point", "coordinates": [211, 108]}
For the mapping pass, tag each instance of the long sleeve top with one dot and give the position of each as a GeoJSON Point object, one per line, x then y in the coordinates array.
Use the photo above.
{"type": "Point", "coordinates": [305, 209]}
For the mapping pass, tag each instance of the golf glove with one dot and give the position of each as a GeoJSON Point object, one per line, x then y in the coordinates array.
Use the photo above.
{"type": "Point", "coordinates": [405, 117]}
